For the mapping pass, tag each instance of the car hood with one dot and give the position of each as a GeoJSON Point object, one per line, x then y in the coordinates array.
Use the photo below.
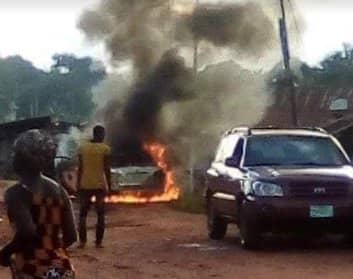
{"type": "Point", "coordinates": [274, 173]}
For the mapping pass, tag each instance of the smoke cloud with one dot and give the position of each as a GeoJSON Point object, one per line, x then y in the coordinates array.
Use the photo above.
{"type": "Point", "coordinates": [164, 100]}
{"type": "Point", "coordinates": [132, 30]}
{"type": "Point", "coordinates": [244, 27]}
{"type": "Point", "coordinates": [169, 81]}
{"type": "Point", "coordinates": [227, 96]}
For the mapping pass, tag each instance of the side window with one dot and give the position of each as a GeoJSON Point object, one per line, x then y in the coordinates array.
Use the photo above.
{"type": "Point", "coordinates": [238, 151]}
{"type": "Point", "coordinates": [220, 151]}
{"type": "Point", "coordinates": [226, 148]}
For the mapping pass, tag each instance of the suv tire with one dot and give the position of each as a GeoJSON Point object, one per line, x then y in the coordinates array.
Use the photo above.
{"type": "Point", "coordinates": [217, 227]}
{"type": "Point", "coordinates": [250, 237]}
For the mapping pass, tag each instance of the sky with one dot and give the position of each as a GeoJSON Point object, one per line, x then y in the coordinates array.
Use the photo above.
{"type": "Point", "coordinates": [37, 29]}
{"type": "Point", "coordinates": [328, 25]}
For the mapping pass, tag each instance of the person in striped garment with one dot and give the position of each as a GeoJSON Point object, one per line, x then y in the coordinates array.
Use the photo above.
{"type": "Point", "coordinates": [40, 213]}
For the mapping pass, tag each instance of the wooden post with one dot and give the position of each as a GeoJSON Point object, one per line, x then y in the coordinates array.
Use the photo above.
{"type": "Point", "coordinates": [286, 60]}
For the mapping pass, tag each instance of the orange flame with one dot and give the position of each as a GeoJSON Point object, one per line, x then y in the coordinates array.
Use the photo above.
{"type": "Point", "coordinates": [171, 190]}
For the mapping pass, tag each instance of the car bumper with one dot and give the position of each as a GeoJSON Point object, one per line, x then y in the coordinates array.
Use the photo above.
{"type": "Point", "coordinates": [285, 215]}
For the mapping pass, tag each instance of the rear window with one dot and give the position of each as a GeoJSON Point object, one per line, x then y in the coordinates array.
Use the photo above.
{"type": "Point", "coordinates": [292, 151]}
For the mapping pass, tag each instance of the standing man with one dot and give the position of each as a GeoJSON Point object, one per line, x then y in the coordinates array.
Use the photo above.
{"type": "Point", "coordinates": [93, 181]}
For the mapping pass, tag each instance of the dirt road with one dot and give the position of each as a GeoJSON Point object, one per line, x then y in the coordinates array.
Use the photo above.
{"type": "Point", "coordinates": [155, 241]}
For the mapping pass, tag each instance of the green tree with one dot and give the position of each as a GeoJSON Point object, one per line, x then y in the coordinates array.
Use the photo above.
{"type": "Point", "coordinates": [63, 92]}
{"type": "Point", "coordinates": [18, 77]}
{"type": "Point", "coordinates": [68, 91]}
{"type": "Point", "coordinates": [334, 71]}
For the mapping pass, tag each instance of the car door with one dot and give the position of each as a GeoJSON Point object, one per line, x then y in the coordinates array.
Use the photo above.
{"type": "Point", "coordinates": [224, 181]}
{"type": "Point", "coordinates": [213, 174]}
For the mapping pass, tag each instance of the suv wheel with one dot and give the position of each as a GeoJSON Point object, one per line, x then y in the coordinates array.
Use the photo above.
{"type": "Point", "coordinates": [217, 227]}
{"type": "Point", "coordinates": [249, 235]}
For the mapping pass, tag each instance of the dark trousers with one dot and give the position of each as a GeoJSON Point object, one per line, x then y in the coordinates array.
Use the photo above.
{"type": "Point", "coordinates": [85, 204]}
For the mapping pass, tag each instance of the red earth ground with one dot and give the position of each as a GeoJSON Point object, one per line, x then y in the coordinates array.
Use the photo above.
{"type": "Point", "coordinates": [155, 241]}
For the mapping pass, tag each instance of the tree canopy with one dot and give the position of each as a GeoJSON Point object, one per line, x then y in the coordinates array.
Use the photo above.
{"type": "Point", "coordinates": [334, 71]}
{"type": "Point", "coordinates": [63, 92]}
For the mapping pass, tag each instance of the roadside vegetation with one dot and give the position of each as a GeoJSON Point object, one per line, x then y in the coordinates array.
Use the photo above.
{"type": "Point", "coordinates": [190, 202]}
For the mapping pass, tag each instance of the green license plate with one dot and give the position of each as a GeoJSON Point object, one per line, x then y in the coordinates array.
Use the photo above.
{"type": "Point", "coordinates": [321, 211]}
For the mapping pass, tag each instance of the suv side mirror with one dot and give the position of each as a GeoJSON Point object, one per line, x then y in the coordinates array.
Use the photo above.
{"type": "Point", "coordinates": [232, 162]}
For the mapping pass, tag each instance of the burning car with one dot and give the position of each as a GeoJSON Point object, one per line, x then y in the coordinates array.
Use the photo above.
{"type": "Point", "coordinates": [147, 179]}
{"type": "Point", "coordinates": [144, 184]}
{"type": "Point", "coordinates": [141, 178]}
{"type": "Point", "coordinates": [134, 183]}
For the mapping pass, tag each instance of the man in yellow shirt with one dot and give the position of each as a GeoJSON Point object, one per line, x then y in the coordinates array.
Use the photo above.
{"type": "Point", "coordinates": [93, 181]}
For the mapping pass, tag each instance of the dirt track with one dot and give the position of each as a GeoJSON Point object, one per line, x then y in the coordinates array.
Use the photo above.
{"type": "Point", "coordinates": [157, 242]}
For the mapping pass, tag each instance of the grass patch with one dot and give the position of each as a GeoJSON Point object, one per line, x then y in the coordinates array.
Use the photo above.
{"type": "Point", "coordinates": [191, 203]}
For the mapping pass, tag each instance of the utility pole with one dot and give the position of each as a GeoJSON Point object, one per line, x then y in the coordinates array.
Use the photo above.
{"type": "Point", "coordinates": [286, 60]}
{"type": "Point", "coordinates": [196, 46]}
{"type": "Point", "coordinates": [171, 15]}
{"type": "Point", "coordinates": [191, 150]}
{"type": "Point", "coordinates": [196, 50]}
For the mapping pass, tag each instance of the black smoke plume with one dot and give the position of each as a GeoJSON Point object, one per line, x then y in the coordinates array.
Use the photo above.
{"type": "Point", "coordinates": [243, 26]}
{"type": "Point", "coordinates": [170, 81]}
{"type": "Point", "coordinates": [166, 102]}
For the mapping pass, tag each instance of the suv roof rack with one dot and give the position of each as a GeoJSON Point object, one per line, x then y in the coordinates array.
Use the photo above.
{"type": "Point", "coordinates": [247, 130]}
{"type": "Point", "coordinates": [244, 130]}
{"type": "Point", "coordinates": [317, 129]}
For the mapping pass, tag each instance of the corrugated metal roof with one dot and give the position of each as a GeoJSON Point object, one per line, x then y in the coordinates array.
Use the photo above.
{"type": "Point", "coordinates": [17, 127]}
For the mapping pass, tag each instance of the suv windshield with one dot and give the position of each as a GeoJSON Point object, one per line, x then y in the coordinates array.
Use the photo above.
{"type": "Point", "coordinates": [292, 151]}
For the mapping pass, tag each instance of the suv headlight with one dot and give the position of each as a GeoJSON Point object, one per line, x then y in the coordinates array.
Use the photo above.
{"type": "Point", "coordinates": [266, 189]}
